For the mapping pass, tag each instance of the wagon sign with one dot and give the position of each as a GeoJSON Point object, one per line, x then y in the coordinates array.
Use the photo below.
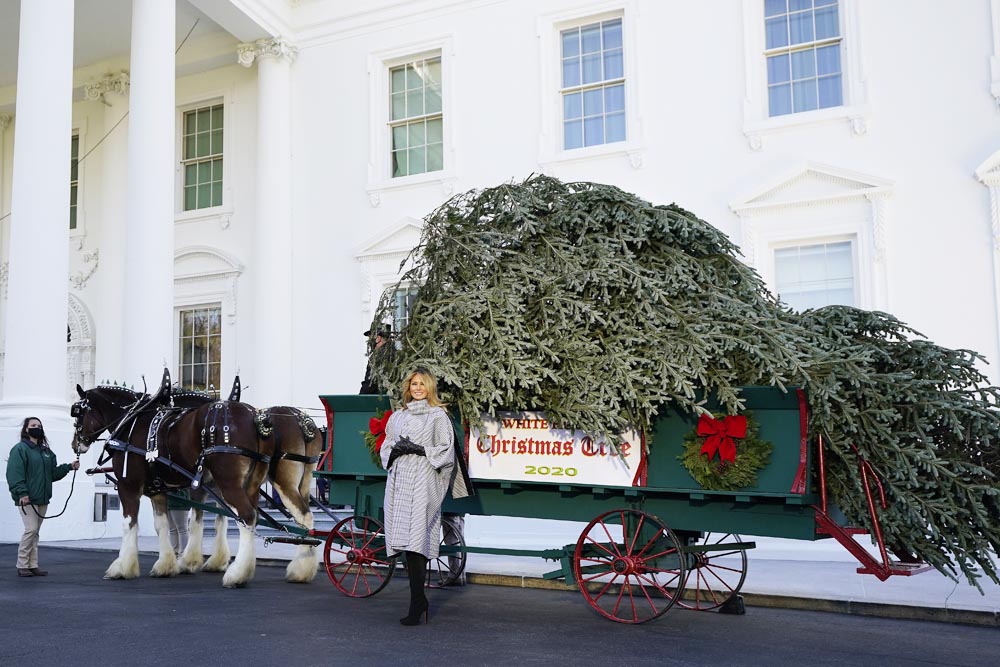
{"type": "Point", "coordinates": [521, 446]}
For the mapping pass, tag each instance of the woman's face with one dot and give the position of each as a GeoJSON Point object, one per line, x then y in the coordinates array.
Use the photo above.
{"type": "Point", "coordinates": [418, 389]}
{"type": "Point", "coordinates": [34, 423]}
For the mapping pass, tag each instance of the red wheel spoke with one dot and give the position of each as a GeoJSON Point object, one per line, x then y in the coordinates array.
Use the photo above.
{"type": "Point", "coordinates": [602, 547]}
{"type": "Point", "coordinates": [611, 540]}
{"type": "Point", "coordinates": [635, 535]}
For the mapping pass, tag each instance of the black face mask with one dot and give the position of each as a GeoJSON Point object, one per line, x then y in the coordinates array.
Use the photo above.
{"type": "Point", "coordinates": [36, 432]}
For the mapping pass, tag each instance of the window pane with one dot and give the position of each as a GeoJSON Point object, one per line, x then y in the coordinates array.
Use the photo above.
{"type": "Point", "coordinates": [778, 69]}
{"type": "Point", "coordinates": [570, 42]}
{"type": "Point", "coordinates": [816, 275]}
{"type": "Point", "coordinates": [433, 99]}
{"type": "Point", "coordinates": [800, 27]}
{"type": "Point", "coordinates": [593, 102]}
{"type": "Point", "coordinates": [397, 78]}
{"type": "Point", "coordinates": [216, 142]}
{"type": "Point", "coordinates": [204, 172]}
{"type": "Point", "coordinates": [217, 117]}
{"type": "Point", "coordinates": [399, 135]}
{"type": "Point", "coordinates": [614, 66]}
{"type": "Point", "coordinates": [830, 92]}
{"type": "Point", "coordinates": [799, 5]}
{"type": "Point", "coordinates": [416, 136]}
{"type": "Point", "coordinates": [593, 131]}
{"type": "Point", "coordinates": [804, 95]}
{"type": "Point", "coordinates": [433, 71]}
{"type": "Point", "coordinates": [435, 131]}
{"type": "Point", "coordinates": [398, 106]}
{"type": "Point", "coordinates": [413, 80]}
{"type": "Point", "coordinates": [204, 120]}
{"type": "Point", "coordinates": [190, 198]}
{"type": "Point", "coordinates": [415, 102]}
{"type": "Point", "coordinates": [572, 106]}
{"type": "Point", "coordinates": [204, 145]}
{"type": "Point", "coordinates": [435, 157]}
{"type": "Point", "coordinates": [573, 134]}
{"type": "Point", "coordinates": [772, 7]}
{"type": "Point", "coordinates": [777, 32]}
{"type": "Point", "coordinates": [828, 60]}
{"type": "Point", "coordinates": [399, 163]}
{"type": "Point", "coordinates": [612, 34]}
{"type": "Point", "coordinates": [592, 68]}
{"type": "Point", "coordinates": [803, 64]}
{"type": "Point", "coordinates": [204, 196]}
{"type": "Point", "coordinates": [217, 169]}
{"type": "Point", "coordinates": [779, 100]}
{"type": "Point", "coordinates": [827, 23]}
{"type": "Point", "coordinates": [416, 158]}
{"type": "Point", "coordinates": [614, 98]}
{"type": "Point", "coordinates": [615, 127]}
{"type": "Point", "coordinates": [189, 147]}
{"type": "Point", "coordinates": [571, 73]}
{"type": "Point", "coordinates": [590, 38]}
{"type": "Point", "coordinates": [190, 122]}
{"type": "Point", "coordinates": [216, 194]}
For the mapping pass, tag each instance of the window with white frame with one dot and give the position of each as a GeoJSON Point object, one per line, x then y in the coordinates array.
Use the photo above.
{"type": "Point", "coordinates": [74, 178]}
{"type": "Point", "coordinates": [404, 299]}
{"type": "Point", "coordinates": [416, 122]}
{"type": "Point", "coordinates": [803, 52]}
{"type": "Point", "coordinates": [593, 84]}
{"type": "Point", "coordinates": [812, 276]}
{"type": "Point", "coordinates": [202, 134]}
{"type": "Point", "coordinates": [200, 348]}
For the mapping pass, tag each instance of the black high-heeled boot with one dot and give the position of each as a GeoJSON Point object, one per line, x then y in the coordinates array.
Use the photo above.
{"type": "Point", "coordinates": [416, 566]}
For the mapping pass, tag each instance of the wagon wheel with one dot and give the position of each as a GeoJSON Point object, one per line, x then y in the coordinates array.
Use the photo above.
{"type": "Point", "coordinates": [447, 568]}
{"type": "Point", "coordinates": [715, 575]}
{"type": "Point", "coordinates": [629, 566]}
{"type": "Point", "coordinates": [355, 558]}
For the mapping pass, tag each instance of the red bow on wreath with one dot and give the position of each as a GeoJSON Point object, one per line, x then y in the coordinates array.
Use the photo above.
{"type": "Point", "coordinates": [719, 434]}
{"type": "Point", "coordinates": [377, 428]}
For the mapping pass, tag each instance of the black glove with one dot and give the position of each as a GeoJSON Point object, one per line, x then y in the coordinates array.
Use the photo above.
{"type": "Point", "coordinates": [403, 447]}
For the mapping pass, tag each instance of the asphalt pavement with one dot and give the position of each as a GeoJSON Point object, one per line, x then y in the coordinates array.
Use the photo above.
{"type": "Point", "coordinates": [73, 617]}
{"type": "Point", "coordinates": [788, 574]}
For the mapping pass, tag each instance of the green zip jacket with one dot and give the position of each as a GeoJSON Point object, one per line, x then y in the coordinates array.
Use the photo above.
{"type": "Point", "coordinates": [31, 469]}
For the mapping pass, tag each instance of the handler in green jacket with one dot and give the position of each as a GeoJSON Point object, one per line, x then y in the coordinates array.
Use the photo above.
{"type": "Point", "coordinates": [31, 469]}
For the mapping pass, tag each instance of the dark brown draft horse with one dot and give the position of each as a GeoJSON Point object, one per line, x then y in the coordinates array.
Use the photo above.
{"type": "Point", "coordinates": [296, 444]}
{"type": "Point", "coordinates": [155, 447]}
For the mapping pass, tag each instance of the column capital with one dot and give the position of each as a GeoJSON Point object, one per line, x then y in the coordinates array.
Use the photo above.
{"type": "Point", "coordinates": [277, 47]}
{"type": "Point", "coordinates": [5, 119]}
{"type": "Point", "coordinates": [111, 83]}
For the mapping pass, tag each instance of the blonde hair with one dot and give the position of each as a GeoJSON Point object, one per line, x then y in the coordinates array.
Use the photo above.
{"type": "Point", "coordinates": [429, 381]}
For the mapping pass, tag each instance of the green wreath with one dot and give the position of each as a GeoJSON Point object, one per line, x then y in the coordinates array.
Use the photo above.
{"type": "Point", "coordinates": [715, 473]}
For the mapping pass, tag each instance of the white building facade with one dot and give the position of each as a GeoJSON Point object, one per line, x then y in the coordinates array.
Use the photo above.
{"type": "Point", "coordinates": [228, 186]}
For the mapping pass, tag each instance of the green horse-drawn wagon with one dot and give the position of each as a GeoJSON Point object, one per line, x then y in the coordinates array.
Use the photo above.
{"type": "Point", "coordinates": [654, 536]}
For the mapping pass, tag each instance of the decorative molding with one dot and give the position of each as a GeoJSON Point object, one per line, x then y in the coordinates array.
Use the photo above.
{"type": "Point", "coordinates": [879, 225]}
{"type": "Point", "coordinates": [4, 278]}
{"type": "Point", "coordinates": [374, 198]}
{"type": "Point", "coordinates": [277, 47]}
{"type": "Point", "coordinates": [755, 140]}
{"type": "Point", "coordinates": [5, 119]}
{"type": "Point", "coordinates": [748, 238]}
{"type": "Point", "coordinates": [111, 83]}
{"type": "Point", "coordinates": [635, 158]}
{"type": "Point", "coordinates": [79, 281]}
{"type": "Point", "coordinates": [847, 185]}
{"type": "Point", "coordinates": [859, 124]}
{"type": "Point", "coordinates": [81, 348]}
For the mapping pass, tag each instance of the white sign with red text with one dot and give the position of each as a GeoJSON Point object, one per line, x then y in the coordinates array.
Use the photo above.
{"type": "Point", "coordinates": [521, 446]}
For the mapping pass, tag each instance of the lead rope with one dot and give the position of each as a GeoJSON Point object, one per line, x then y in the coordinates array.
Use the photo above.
{"type": "Point", "coordinates": [72, 484]}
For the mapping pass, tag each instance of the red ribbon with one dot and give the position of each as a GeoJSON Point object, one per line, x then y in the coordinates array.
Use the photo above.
{"type": "Point", "coordinates": [377, 428]}
{"type": "Point", "coordinates": [719, 434]}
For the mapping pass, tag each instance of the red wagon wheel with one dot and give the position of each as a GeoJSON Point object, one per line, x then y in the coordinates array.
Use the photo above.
{"type": "Point", "coordinates": [355, 557]}
{"type": "Point", "coordinates": [716, 572]}
{"type": "Point", "coordinates": [629, 566]}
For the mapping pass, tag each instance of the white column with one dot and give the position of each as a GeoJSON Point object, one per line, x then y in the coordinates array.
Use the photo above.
{"type": "Point", "coordinates": [112, 90]}
{"type": "Point", "coordinates": [38, 287]}
{"type": "Point", "coordinates": [270, 380]}
{"type": "Point", "coordinates": [147, 332]}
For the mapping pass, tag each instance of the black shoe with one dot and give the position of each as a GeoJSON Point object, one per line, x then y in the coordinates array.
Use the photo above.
{"type": "Point", "coordinates": [415, 613]}
{"type": "Point", "coordinates": [24, 572]}
{"type": "Point", "coordinates": [39, 573]}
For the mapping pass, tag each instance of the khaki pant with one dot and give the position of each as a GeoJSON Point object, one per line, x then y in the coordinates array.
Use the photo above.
{"type": "Point", "coordinates": [27, 552]}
